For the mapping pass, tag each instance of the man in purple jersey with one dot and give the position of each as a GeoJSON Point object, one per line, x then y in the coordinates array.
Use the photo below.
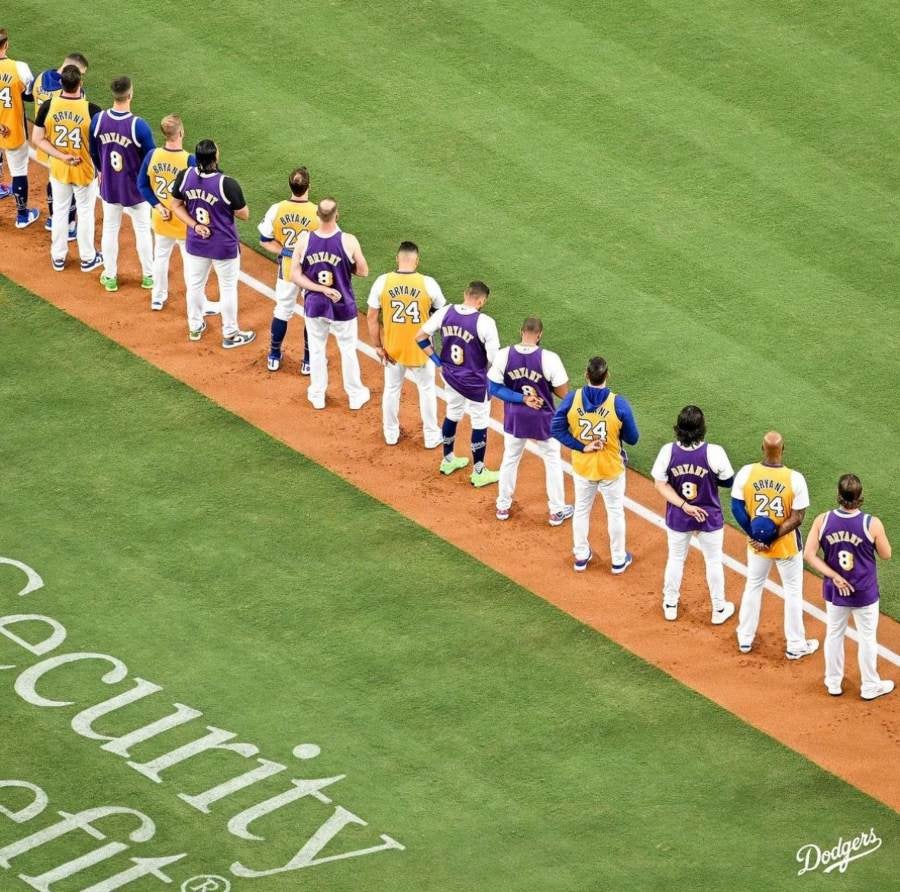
{"type": "Point", "coordinates": [119, 142]}
{"type": "Point", "coordinates": [688, 474]}
{"type": "Point", "coordinates": [207, 202]}
{"type": "Point", "coordinates": [323, 265]}
{"type": "Point", "coordinates": [849, 541]}
{"type": "Point", "coordinates": [469, 343]}
{"type": "Point", "coordinates": [526, 377]}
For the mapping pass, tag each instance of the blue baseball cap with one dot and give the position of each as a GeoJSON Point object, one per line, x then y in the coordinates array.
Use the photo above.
{"type": "Point", "coordinates": [763, 529]}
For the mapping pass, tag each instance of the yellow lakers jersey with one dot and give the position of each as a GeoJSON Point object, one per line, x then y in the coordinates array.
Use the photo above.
{"type": "Point", "coordinates": [602, 424]}
{"type": "Point", "coordinates": [67, 127]}
{"type": "Point", "coordinates": [768, 493]}
{"type": "Point", "coordinates": [12, 106]}
{"type": "Point", "coordinates": [291, 218]}
{"type": "Point", "coordinates": [405, 305]}
{"type": "Point", "coordinates": [164, 166]}
{"type": "Point", "coordinates": [40, 97]}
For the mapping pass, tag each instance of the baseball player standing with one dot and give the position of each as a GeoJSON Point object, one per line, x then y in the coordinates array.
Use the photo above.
{"type": "Point", "coordinates": [324, 263]}
{"type": "Point", "coordinates": [404, 299]}
{"type": "Point", "coordinates": [526, 377]}
{"type": "Point", "coordinates": [469, 344]}
{"type": "Point", "coordinates": [207, 202]}
{"type": "Point", "coordinates": [769, 501]}
{"type": "Point", "coordinates": [278, 233]}
{"type": "Point", "coordinates": [688, 474]}
{"type": "Point", "coordinates": [594, 422]}
{"type": "Point", "coordinates": [849, 541]}
{"type": "Point", "coordinates": [119, 143]}
{"type": "Point", "coordinates": [67, 116]}
{"type": "Point", "coordinates": [15, 90]}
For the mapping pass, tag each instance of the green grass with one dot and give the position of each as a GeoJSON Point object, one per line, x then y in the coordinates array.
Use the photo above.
{"type": "Point", "coordinates": [507, 746]}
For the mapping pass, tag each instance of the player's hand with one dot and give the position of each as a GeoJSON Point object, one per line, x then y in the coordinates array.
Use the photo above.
{"type": "Point", "coordinates": [842, 585]}
{"type": "Point", "coordinates": [72, 160]}
{"type": "Point", "coordinates": [384, 357]}
{"type": "Point", "coordinates": [4, 130]}
{"type": "Point", "coordinates": [202, 231]}
{"type": "Point", "coordinates": [332, 294]}
{"type": "Point", "coordinates": [758, 546]}
{"type": "Point", "coordinates": [533, 401]}
{"type": "Point", "coordinates": [164, 212]}
{"type": "Point", "coordinates": [694, 511]}
{"type": "Point", "coordinates": [595, 446]}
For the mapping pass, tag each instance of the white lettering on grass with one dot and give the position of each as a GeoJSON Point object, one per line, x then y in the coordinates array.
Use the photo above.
{"type": "Point", "coordinates": [38, 804]}
{"type": "Point", "coordinates": [26, 682]}
{"type": "Point", "coordinates": [34, 578]}
{"type": "Point", "coordinates": [56, 637]}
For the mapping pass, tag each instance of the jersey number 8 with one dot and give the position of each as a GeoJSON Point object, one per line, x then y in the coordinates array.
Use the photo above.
{"type": "Point", "coordinates": [689, 490]}
{"type": "Point", "coordinates": [116, 161]}
{"type": "Point", "coordinates": [202, 216]}
{"type": "Point", "coordinates": [457, 354]}
{"type": "Point", "coordinates": [325, 277]}
{"type": "Point", "coordinates": [846, 560]}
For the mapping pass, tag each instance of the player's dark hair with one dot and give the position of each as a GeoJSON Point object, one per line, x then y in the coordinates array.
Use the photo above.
{"type": "Point", "coordinates": [70, 78]}
{"type": "Point", "coordinates": [690, 428]}
{"type": "Point", "coordinates": [205, 153]}
{"type": "Point", "coordinates": [121, 87]}
{"type": "Point", "coordinates": [478, 289]}
{"type": "Point", "coordinates": [299, 181]}
{"type": "Point", "coordinates": [533, 325]}
{"type": "Point", "coordinates": [412, 247]}
{"type": "Point", "coordinates": [597, 370]}
{"type": "Point", "coordinates": [4, 36]}
{"type": "Point", "coordinates": [77, 59]}
{"type": "Point", "coordinates": [850, 491]}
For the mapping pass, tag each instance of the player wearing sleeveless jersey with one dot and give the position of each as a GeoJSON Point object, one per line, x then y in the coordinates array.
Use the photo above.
{"type": "Point", "coordinates": [594, 422]}
{"type": "Point", "coordinates": [62, 130]}
{"type": "Point", "coordinates": [207, 201]}
{"type": "Point", "coordinates": [47, 85]}
{"type": "Point", "coordinates": [527, 377]}
{"type": "Point", "coordinates": [404, 299]}
{"type": "Point", "coordinates": [469, 343]}
{"type": "Point", "coordinates": [324, 263]}
{"type": "Point", "coordinates": [769, 501]}
{"type": "Point", "coordinates": [688, 474]}
{"type": "Point", "coordinates": [850, 541]}
{"type": "Point", "coordinates": [15, 90]}
{"type": "Point", "coordinates": [119, 143]}
{"type": "Point", "coordinates": [278, 233]}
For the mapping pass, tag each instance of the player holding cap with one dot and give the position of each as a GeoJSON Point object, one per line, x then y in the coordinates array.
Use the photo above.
{"type": "Point", "coordinates": [469, 343]}
{"type": "Point", "coordinates": [769, 501]}
{"type": "Point", "coordinates": [849, 541]}
{"type": "Point", "coordinates": [404, 299]}
{"type": "Point", "coordinates": [526, 377]}
{"type": "Point", "coordinates": [688, 474]}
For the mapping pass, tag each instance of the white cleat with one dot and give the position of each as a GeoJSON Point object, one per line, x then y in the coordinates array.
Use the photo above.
{"type": "Point", "coordinates": [670, 612]}
{"type": "Point", "coordinates": [812, 645]}
{"type": "Point", "coordinates": [884, 688]}
{"type": "Point", "coordinates": [723, 613]}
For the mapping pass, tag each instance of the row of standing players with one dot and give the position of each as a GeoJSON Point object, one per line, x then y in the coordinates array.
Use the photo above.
{"type": "Point", "coordinates": [189, 202]}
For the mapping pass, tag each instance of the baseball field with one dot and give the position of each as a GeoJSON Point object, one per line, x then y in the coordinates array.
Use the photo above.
{"type": "Point", "coordinates": [360, 680]}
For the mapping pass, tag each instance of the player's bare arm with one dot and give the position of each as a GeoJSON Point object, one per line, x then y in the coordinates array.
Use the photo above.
{"type": "Point", "coordinates": [374, 325]}
{"type": "Point", "coordinates": [242, 213]}
{"type": "Point", "coordinates": [354, 252]}
{"type": "Point", "coordinates": [668, 492]}
{"type": "Point", "coordinates": [39, 140]}
{"type": "Point", "coordinates": [811, 556]}
{"type": "Point", "coordinates": [271, 245]}
{"type": "Point", "coordinates": [303, 281]}
{"type": "Point", "coordinates": [180, 211]}
{"type": "Point", "coordinates": [882, 545]}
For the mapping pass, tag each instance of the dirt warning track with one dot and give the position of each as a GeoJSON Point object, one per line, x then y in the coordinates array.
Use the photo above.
{"type": "Point", "coordinates": [851, 738]}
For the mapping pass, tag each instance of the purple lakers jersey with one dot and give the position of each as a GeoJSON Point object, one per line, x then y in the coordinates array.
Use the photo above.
{"type": "Point", "coordinates": [848, 550]}
{"type": "Point", "coordinates": [204, 198]}
{"type": "Point", "coordinates": [326, 262]}
{"type": "Point", "coordinates": [525, 374]}
{"type": "Point", "coordinates": [690, 476]}
{"type": "Point", "coordinates": [120, 157]}
{"type": "Point", "coordinates": [463, 355]}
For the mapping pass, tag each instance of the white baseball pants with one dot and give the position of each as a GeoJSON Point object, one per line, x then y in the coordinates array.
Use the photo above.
{"type": "Point", "coordinates": [17, 159]}
{"type": "Point", "coordinates": [142, 225]}
{"type": "Point", "coordinates": [423, 378]}
{"type": "Point", "coordinates": [711, 546]}
{"type": "Point", "coordinates": [346, 333]}
{"type": "Point", "coordinates": [85, 201]}
{"type": "Point", "coordinates": [196, 273]}
{"type": "Point", "coordinates": [286, 306]}
{"type": "Point", "coordinates": [791, 572]}
{"type": "Point", "coordinates": [866, 621]}
{"type": "Point", "coordinates": [163, 245]}
{"type": "Point", "coordinates": [457, 405]}
{"type": "Point", "coordinates": [613, 492]}
{"type": "Point", "coordinates": [513, 450]}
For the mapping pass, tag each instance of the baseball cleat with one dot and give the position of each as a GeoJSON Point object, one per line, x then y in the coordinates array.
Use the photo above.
{"type": "Point", "coordinates": [834, 690]}
{"type": "Point", "coordinates": [157, 303]}
{"type": "Point", "coordinates": [354, 407]}
{"type": "Point", "coordinates": [5, 191]}
{"type": "Point", "coordinates": [484, 478]}
{"type": "Point", "coordinates": [304, 369]}
{"type": "Point", "coordinates": [812, 645]}
{"type": "Point", "coordinates": [670, 611]}
{"type": "Point", "coordinates": [25, 220]}
{"type": "Point", "coordinates": [238, 339]}
{"type": "Point", "coordinates": [110, 283]}
{"type": "Point", "coordinates": [211, 308]}
{"type": "Point", "coordinates": [317, 403]}
{"type": "Point", "coordinates": [580, 564]}
{"type": "Point", "coordinates": [884, 688]}
{"type": "Point", "coordinates": [621, 568]}
{"type": "Point", "coordinates": [723, 613]}
{"type": "Point", "coordinates": [89, 265]}
{"type": "Point", "coordinates": [560, 517]}
{"type": "Point", "coordinates": [48, 224]}
{"type": "Point", "coordinates": [147, 282]}
{"type": "Point", "coordinates": [453, 463]}
{"type": "Point", "coordinates": [745, 648]}
{"type": "Point", "coordinates": [59, 265]}
{"type": "Point", "coordinates": [197, 333]}
{"type": "Point", "coordinates": [503, 514]}
{"type": "Point", "coordinates": [433, 444]}
{"type": "Point", "coordinates": [73, 230]}
{"type": "Point", "coordinates": [273, 362]}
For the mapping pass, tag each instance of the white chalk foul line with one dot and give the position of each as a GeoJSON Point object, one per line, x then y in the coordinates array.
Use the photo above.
{"type": "Point", "coordinates": [642, 511]}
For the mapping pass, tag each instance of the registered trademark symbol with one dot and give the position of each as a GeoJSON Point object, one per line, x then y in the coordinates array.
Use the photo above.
{"type": "Point", "coordinates": [206, 883]}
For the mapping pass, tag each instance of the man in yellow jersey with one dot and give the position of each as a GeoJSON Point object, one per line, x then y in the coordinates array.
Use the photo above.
{"type": "Point", "coordinates": [405, 299]}
{"type": "Point", "coordinates": [769, 501]}
{"type": "Point", "coordinates": [278, 233]}
{"type": "Point", "coordinates": [62, 129]}
{"type": "Point", "coordinates": [594, 422]}
{"type": "Point", "coordinates": [47, 85]}
{"type": "Point", "coordinates": [15, 90]}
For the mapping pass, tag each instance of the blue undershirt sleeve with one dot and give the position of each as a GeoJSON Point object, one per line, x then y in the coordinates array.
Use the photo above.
{"type": "Point", "coordinates": [94, 147]}
{"type": "Point", "coordinates": [559, 427]}
{"type": "Point", "coordinates": [739, 510]}
{"type": "Point", "coordinates": [629, 433]}
{"type": "Point", "coordinates": [507, 394]}
{"type": "Point", "coordinates": [143, 183]}
{"type": "Point", "coordinates": [145, 137]}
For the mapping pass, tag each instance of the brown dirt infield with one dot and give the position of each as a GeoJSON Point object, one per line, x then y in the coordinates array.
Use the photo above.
{"type": "Point", "coordinates": [847, 736]}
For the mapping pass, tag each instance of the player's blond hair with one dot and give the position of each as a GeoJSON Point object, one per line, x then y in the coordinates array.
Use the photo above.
{"type": "Point", "coordinates": [171, 126]}
{"type": "Point", "coordinates": [327, 210]}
